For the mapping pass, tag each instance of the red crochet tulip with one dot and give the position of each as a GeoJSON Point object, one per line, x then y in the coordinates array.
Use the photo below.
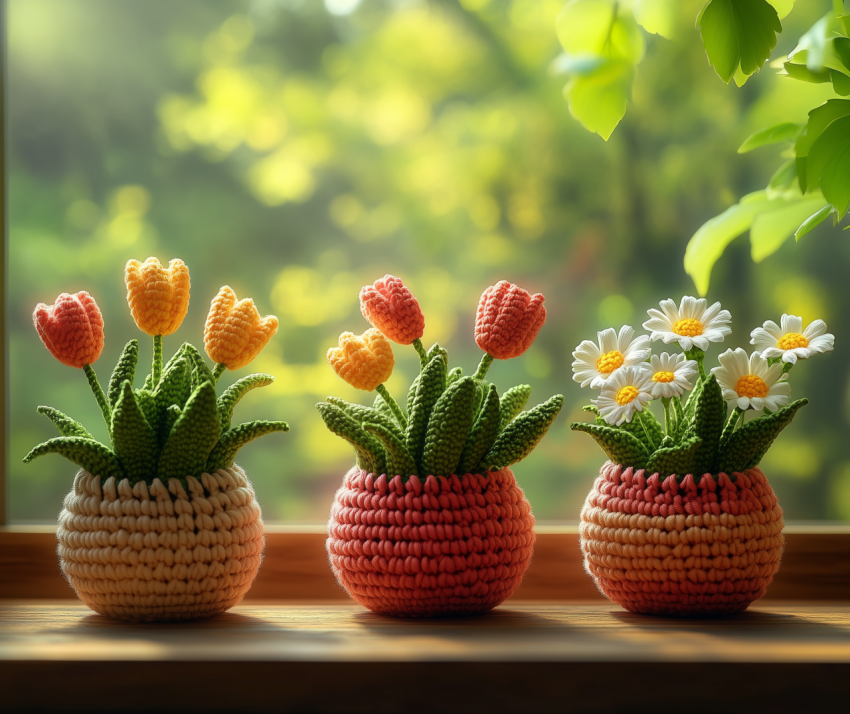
{"type": "Point", "coordinates": [508, 320]}
{"type": "Point", "coordinates": [390, 306]}
{"type": "Point", "coordinates": [71, 328]}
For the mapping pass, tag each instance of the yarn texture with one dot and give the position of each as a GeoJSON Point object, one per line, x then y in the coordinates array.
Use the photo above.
{"type": "Point", "coordinates": [390, 307]}
{"type": "Point", "coordinates": [508, 319]}
{"type": "Point", "coordinates": [706, 547]}
{"type": "Point", "coordinates": [71, 328]}
{"type": "Point", "coordinates": [442, 546]}
{"type": "Point", "coordinates": [364, 361]}
{"type": "Point", "coordinates": [148, 553]}
{"type": "Point", "coordinates": [158, 297]}
{"type": "Point", "coordinates": [234, 332]}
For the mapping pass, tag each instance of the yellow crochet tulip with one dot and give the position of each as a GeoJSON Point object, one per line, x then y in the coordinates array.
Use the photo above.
{"type": "Point", "coordinates": [235, 333]}
{"type": "Point", "coordinates": [365, 362]}
{"type": "Point", "coordinates": [158, 297]}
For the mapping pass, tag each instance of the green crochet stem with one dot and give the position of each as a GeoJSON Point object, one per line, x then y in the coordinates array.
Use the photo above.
{"type": "Point", "coordinates": [423, 355]}
{"type": "Point", "coordinates": [393, 405]}
{"type": "Point", "coordinates": [218, 371]}
{"type": "Point", "coordinates": [97, 390]}
{"type": "Point", "coordinates": [668, 418]}
{"type": "Point", "coordinates": [698, 355]}
{"type": "Point", "coordinates": [156, 368]}
{"type": "Point", "coordinates": [483, 366]}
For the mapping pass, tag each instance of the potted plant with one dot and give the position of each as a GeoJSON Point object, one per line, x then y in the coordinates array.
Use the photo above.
{"type": "Point", "coordinates": [680, 520]}
{"type": "Point", "coordinates": [430, 520]}
{"type": "Point", "coordinates": [162, 525]}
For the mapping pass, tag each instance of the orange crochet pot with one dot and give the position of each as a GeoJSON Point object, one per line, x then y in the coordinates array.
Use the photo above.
{"type": "Point", "coordinates": [443, 547]}
{"type": "Point", "coordinates": [688, 549]}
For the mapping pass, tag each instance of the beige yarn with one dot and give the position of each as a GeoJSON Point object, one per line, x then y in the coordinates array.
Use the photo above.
{"type": "Point", "coordinates": [149, 554]}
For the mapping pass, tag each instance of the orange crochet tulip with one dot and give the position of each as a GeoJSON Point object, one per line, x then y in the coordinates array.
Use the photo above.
{"type": "Point", "coordinates": [365, 362]}
{"type": "Point", "coordinates": [235, 333]}
{"type": "Point", "coordinates": [71, 328]}
{"type": "Point", "coordinates": [508, 320]}
{"type": "Point", "coordinates": [158, 297]}
{"type": "Point", "coordinates": [390, 306]}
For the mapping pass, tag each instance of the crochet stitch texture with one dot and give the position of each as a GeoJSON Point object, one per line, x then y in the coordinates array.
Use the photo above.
{"type": "Point", "coordinates": [390, 306]}
{"type": "Point", "coordinates": [364, 361]}
{"type": "Point", "coordinates": [508, 319]}
{"type": "Point", "coordinates": [697, 547]}
{"type": "Point", "coordinates": [234, 332]}
{"type": "Point", "coordinates": [158, 297]}
{"type": "Point", "coordinates": [71, 328]}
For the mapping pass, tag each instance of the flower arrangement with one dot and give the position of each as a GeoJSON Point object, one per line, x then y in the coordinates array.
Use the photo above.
{"type": "Point", "coordinates": [449, 531]}
{"type": "Point", "coordinates": [681, 521]}
{"type": "Point", "coordinates": [174, 426]}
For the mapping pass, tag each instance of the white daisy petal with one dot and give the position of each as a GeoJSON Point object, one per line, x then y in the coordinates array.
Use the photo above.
{"type": "Point", "coordinates": [815, 329]}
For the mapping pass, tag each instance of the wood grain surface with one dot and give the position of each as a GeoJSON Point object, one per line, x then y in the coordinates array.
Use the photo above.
{"type": "Point", "coordinates": [816, 566]}
{"type": "Point", "coordinates": [523, 657]}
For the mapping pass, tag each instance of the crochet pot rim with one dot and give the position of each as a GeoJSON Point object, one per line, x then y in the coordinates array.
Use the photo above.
{"type": "Point", "coordinates": [679, 479]}
{"type": "Point", "coordinates": [357, 472]}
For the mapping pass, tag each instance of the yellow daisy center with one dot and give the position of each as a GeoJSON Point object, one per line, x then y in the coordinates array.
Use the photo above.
{"type": "Point", "coordinates": [665, 377]}
{"type": "Point", "coordinates": [610, 361]}
{"type": "Point", "coordinates": [626, 395]}
{"type": "Point", "coordinates": [791, 341]}
{"type": "Point", "coordinates": [751, 386]}
{"type": "Point", "coordinates": [688, 327]}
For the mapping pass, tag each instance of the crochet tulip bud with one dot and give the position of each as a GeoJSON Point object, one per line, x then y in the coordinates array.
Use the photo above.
{"type": "Point", "coordinates": [71, 328]}
{"type": "Point", "coordinates": [508, 320]}
{"type": "Point", "coordinates": [158, 297]}
{"type": "Point", "coordinates": [235, 333]}
{"type": "Point", "coordinates": [363, 361]}
{"type": "Point", "coordinates": [390, 306]}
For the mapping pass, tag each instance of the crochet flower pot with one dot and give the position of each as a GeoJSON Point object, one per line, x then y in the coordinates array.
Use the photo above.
{"type": "Point", "coordinates": [430, 521]}
{"type": "Point", "coordinates": [156, 553]}
{"type": "Point", "coordinates": [680, 520]}
{"type": "Point", "coordinates": [162, 525]}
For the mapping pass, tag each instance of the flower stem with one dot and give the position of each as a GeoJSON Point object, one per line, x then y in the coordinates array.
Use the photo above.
{"type": "Point", "coordinates": [97, 390]}
{"type": "Point", "coordinates": [156, 369]}
{"type": "Point", "coordinates": [393, 404]}
{"type": "Point", "coordinates": [668, 416]}
{"type": "Point", "coordinates": [695, 353]}
{"type": "Point", "coordinates": [423, 355]}
{"type": "Point", "coordinates": [736, 415]}
{"type": "Point", "coordinates": [649, 440]}
{"type": "Point", "coordinates": [786, 368]}
{"type": "Point", "coordinates": [218, 371]}
{"type": "Point", "coordinates": [483, 366]}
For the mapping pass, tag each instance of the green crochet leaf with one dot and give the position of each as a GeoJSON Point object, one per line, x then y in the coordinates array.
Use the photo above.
{"type": "Point", "coordinates": [519, 438]}
{"type": "Point", "coordinates": [679, 412]}
{"type": "Point", "coordinates": [171, 415]}
{"type": "Point", "coordinates": [399, 460]}
{"type": "Point", "coordinates": [432, 384]}
{"type": "Point", "coordinates": [133, 439]}
{"type": "Point", "coordinates": [435, 349]}
{"type": "Point", "coordinates": [124, 370]}
{"type": "Point", "coordinates": [635, 427]}
{"type": "Point", "coordinates": [513, 402]}
{"type": "Point", "coordinates": [148, 385]}
{"type": "Point", "coordinates": [709, 417]}
{"type": "Point", "coordinates": [231, 396]}
{"type": "Point", "coordinates": [411, 394]}
{"type": "Point", "coordinates": [676, 459]}
{"type": "Point", "coordinates": [200, 371]}
{"type": "Point", "coordinates": [380, 405]}
{"type": "Point", "coordinates": [147, 403]}
{"type": "Point", "coordinates": [748, 445]}
{"type": "Point", "coordinates": [619, 446]}
{"type": "Point", "coordinates": [65, 425]}
{"type": "Point", "coordinates": [448, 428]}
{"type": "Point", "coordinates": [483, 434]}
{"type": "Point", "coordinates": [454, 375]}
{"type": "Point", "coordinates": [91, 455]}
{"type": "Point", "coordinates": [369, 452]}
{"type": "Point", "coordinates": [174, 388]}
{"type": "Point", "coordinates": [193, 436]}
{"type": "Point", "coordinates": [369, 414]}
{"type": "Point", "coordinates": [224, 452]}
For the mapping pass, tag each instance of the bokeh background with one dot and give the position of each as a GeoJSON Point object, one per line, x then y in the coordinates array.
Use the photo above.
{"type": "Point", "coordinates": [297, 150]}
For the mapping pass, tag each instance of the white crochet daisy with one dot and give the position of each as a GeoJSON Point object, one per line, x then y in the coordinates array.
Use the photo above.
{"type": "Point", "coordinates": [625, 392]}
{"type": "Point", "coordinates": [595, 363]}
{"type": "Point", "coordinates": [691, 324]}
{"type": "Point", "coordinates": [670, 374]}
{"type": "Point", "coordinates": [750, 382]}
{"type": "Point", "coordinates": [789, 341]}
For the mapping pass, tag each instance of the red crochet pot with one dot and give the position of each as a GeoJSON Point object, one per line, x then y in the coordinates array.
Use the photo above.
{"type": "Point", "coordinates": [669, 548]}
{"type": "Point", "coordinates": [456, 545]}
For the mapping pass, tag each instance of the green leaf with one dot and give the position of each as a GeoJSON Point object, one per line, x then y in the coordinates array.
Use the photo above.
{"type": "Point", "coordinates": [840, 83]}
{"type": "Point", "coordinates": [748, 445]}
{"type": "Point", "coordinates": [484, 432]}
{"type": "Point", "coordinates": [65, 425]}
{"type": "Point", "coordinates": [147, 403]}
{"type": "Point", "coordinates": [827, 165]}
{"type": "Point", "coordinates": [738, 33]}
{"type": "Point", "coordinates": [411, 395]}
{"type": "Point", "coordinates": [813, 221]}
{"type": "Point", "coordinates": [709, 418]}
{"type": "Point", "coordinates": [841, 47]}
{"type": "Point", "coordinates": [771, 135]}
{"type": "Point", "coordinates": [772, 228]}
{"type": "Point", "coordinates": [224, 453]}
{"type": "Point", "coordinates": [813, 44]}
{"type": "Point", "coordinates": [193, 436]}
{"type": "Point", "coordinates": [91, 455]}
{"type": "Point", "coordinates": [522, 435]}
{"type": "Point", "coordinates": [381, 405]}
{"type": "Point", "coordinates": [454, 375]}
{"type": "Point", "coordinates": [804, 74]}
{"type": "Point", "coordinates": [599, 28]}
{"type": "Point", "coordinates": [819, 119]}
{"type": "Point", "coordinates": [657, 16]}
{"type": "Point", "coordinates": [782, 178]}
{"type": "Point", "coordinates": [399, 461]}
{"type": "Point", "coordinates": [174, 388]}
{"type": "Point", "coordinates": [124, 370]}
{"type": "Point", "coordinates": [234, 393]}
{"type": "Point", "coordinates": [598, 99]}
{"type": "Point", "coordinates": [782, 7]}
{"type": "Point", "coordinates": [636, 428]}
{"type": "Point", "coordinates": [200, 371]}
{"type": "Point", "coordinates": [448, 428]}
{"type": "Point", "coordinates": [370, 454]}
{"type": "Point", "coordinates": [676, 459]}
{"type": "Point", "coordinates": [619, 446]}
{"type": "Point", "coordinates": [369, 414]}
{"type": "Point", "coordinates": [133, 438]}
{"type": "Point", "coordinates": [512, 403]}
{"type": "Point", "coordinates": [432, 383]}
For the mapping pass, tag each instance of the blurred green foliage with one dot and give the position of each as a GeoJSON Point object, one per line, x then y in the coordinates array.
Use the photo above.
{"type": "Point", "coordinates": [298, 150]}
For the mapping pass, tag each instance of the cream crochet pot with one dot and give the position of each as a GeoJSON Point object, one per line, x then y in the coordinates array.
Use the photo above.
{"type": "Point", "coordinates": [156, 553]}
